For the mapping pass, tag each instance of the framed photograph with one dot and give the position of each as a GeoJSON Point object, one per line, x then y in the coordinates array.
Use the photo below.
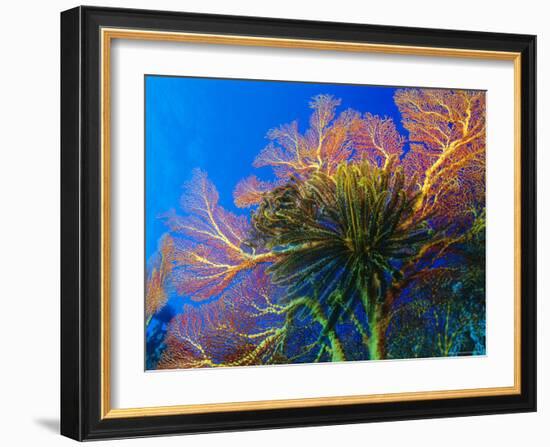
{"type": "Point", "coordinates": [275, 223]}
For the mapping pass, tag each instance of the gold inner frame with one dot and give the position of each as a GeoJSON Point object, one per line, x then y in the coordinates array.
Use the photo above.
{"type": "Point", "coordinates": [107, 35]}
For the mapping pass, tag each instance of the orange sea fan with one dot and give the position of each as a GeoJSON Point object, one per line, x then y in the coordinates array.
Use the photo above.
{"type": "Point", "coordinates": [209, 247]}
{"type": "Point", "coordinates": [229, 331]}
{"type": "Point", "coordinates": [447, 134]}
{"type": "Point", "coordinates": [250, 191]}
{"type": "Point", "coordinates": [156, 296]}
{"type": "Point", "coordinates": [291, 153]}
{"type": "Point", "coordinates": [376, 139]}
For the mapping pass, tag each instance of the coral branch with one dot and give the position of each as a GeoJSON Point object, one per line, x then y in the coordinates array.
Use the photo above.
{"type": "Point", "coordinates": [376, 139]}
{"type": "Point", "coordinates": [156, 295]}
{"type": "Point", "coordinates": [242, 327]}
{"type": "Point", "coordinates": [209, 242]}
{"type": "Point", "coordinates": [250, 191]}
{"type": "Point", "coordinates": [450, 162]}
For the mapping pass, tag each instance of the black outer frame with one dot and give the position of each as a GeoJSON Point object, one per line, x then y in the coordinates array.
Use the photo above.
{"type": "Point", "coordinates": [81, 206]}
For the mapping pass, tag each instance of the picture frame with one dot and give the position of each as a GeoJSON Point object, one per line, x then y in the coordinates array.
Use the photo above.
{"type": "Point", "coordinates": [87, 136]}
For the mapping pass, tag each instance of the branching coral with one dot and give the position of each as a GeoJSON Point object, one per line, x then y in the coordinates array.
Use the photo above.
{"type": "Point", "coordinates": [155, 294]}
{"type": "Point", "coordinates": [208, 242]}
{"type": "Point", "coordinates": [242, 327]}
{"type": "Point", "coordinates": [447, 133]}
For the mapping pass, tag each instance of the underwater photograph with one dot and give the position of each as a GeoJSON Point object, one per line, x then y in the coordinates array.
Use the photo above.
{"type": "Point", "coordinates": [298, 222]}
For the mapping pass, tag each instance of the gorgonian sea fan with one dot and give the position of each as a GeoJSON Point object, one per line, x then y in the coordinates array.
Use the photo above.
{"type": "Point", "coordinates": [209, 249]}
{"type": "Point", "coordinates": [447, 133]}
{"type": "Point", "coordinates": [250, 190]}
{"type": "Point", "coordinates": [242, 327]}
{"type": "Point", "coordinates": [158, 277]}
{"type": "Point", "coordinates": [376, 139]}
{"type": "Point", "coordinates": [330, 140]}
{"type": "Point", "coordinates": [292, 154]}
